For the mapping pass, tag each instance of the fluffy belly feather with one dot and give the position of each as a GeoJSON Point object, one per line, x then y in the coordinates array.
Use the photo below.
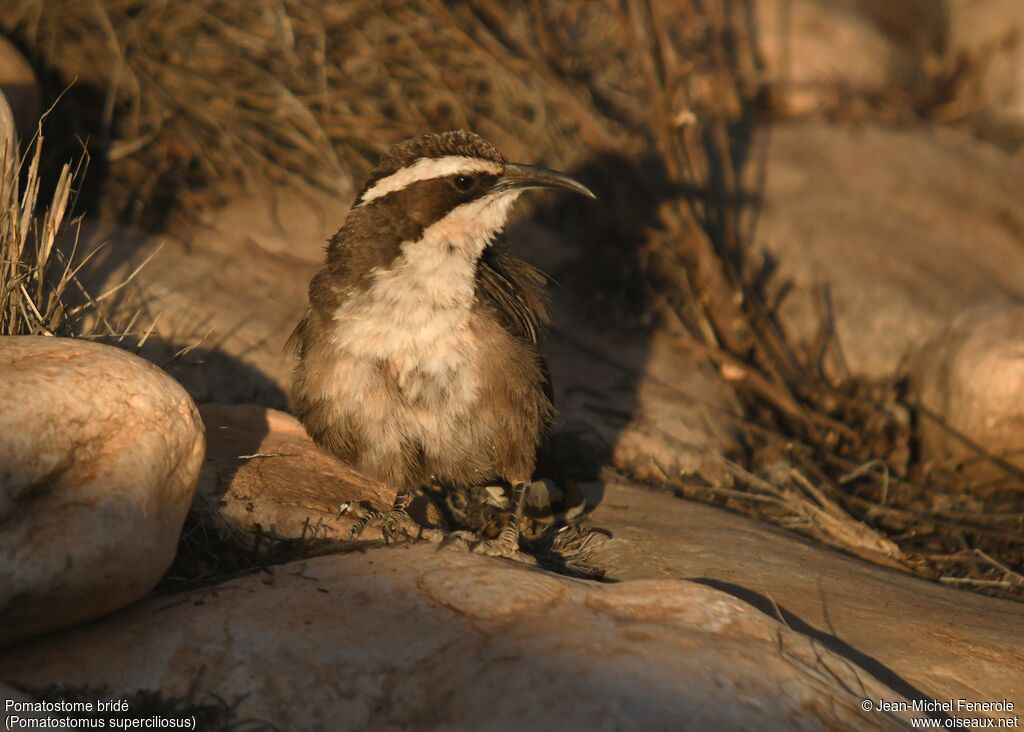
{"type": "Point", "coordinates": [414, 419]}
{"type": "Point", "coordinates": [410, 386]}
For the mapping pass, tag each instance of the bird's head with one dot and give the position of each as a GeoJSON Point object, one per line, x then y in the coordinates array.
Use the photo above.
{"type": "Point", "coordinates": [449, 190]}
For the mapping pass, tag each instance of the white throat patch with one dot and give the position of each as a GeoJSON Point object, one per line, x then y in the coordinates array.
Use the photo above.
{"type": "Point", "coordinates": [416, 313]}
{"type": "Point", "coordinates": [470, 227]}
{"type": "Point", "coordinates": [428, 169]}
{"type": "Point", "coordinates": [438, 270]}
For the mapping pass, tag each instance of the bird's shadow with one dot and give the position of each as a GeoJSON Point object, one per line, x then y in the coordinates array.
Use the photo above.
{"type": "Point", "coordinates": [597, 350]}
{"type": "Point", "coordinates": [833, 642]}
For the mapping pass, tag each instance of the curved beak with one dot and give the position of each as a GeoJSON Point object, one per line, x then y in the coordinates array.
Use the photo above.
{"type": "Point", "coordinates": [522, 177]}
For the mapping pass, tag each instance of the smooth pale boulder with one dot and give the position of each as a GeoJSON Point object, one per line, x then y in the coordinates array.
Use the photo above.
{"type": "Point", "coordinates": [100, 452]}
{"type": "Point", "coordinates": [421, 638]}
{"type": "Point", "coordinates": [899, 231]}
{"type": "Point", "coordinates": [970, 379]}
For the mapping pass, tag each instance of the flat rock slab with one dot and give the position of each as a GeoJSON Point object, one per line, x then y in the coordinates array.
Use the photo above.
{"type": "Point", "coordinates": [417, 637]}
{"type": "Point", "coordinates": [900, 628]}
{"type": "Point", "coordinates": [921, 638]}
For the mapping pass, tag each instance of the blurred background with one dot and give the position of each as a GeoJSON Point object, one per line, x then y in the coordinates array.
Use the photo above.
{"type": "Point", "coordinates": [810, 224]}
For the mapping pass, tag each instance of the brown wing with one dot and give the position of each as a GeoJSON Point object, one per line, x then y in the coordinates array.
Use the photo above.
{"type": "Point", "coordinates": [322, 299]}
{"type": "Point", "coordinates": [515, 289]}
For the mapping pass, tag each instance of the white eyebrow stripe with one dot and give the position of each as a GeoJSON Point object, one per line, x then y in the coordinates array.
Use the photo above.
{"type": "Point", "coordinates": [426, 169]}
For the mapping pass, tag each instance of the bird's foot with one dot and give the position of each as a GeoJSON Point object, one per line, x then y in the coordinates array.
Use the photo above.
{"type": "Point", "coordinates": [394, 523]}
{"type": "Point", "coordinates": [506, 545]}
{"type": "Point", "coordinates": [462, 540]}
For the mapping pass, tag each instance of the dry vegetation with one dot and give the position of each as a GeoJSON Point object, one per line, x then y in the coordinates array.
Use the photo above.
{"type": "Point", "coordinates": [308, 92]}
{"type": "Point", "coordinates": [40, 291]}
{"type": "Point", "coordinates": [37, 280]}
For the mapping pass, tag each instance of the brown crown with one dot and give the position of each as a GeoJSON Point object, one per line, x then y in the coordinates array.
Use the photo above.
{"type": "Point", "coordinates": [433, 145]}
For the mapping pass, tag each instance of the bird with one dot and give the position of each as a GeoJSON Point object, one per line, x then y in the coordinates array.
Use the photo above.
{"type": "Point", "coordinates": [420, 357]}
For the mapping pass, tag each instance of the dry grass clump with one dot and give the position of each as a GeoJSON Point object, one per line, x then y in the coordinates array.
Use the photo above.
{"type": "Point", "coordinates": [40, 292]}
{"type": "Point", "coordinates": [31, 303]}
{"type": "Point", "coordinates": [36, 279]}
{"type": "Point", "coordinates": [309, 92]}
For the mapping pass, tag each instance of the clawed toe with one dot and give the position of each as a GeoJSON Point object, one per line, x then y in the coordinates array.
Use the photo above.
{"type": "Point", "coordinates": [394, 524]}
{"type": "Point", "coordinates": [460, 540]}
{"type": "Point", "coordinates": [506, 545]}
{"type": "Point", "coordinates": [362, 515]}
{"type": "Point", "coordinates": [503, 546]}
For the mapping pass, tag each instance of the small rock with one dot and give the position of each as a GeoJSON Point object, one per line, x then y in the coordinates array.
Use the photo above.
{"type": "Point", "coordinates": [100, 453]}
{"type": "Point", "coordinates": [18, 83]}
{"type": "Point", "coordinates": [635, 399]}
{"type": "Point", "coordinates": [970, 379]}
{"type": "Point", "coordinates": [265, 478]}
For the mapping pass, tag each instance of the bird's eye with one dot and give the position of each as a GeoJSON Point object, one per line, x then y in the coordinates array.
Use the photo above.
{"type": "Point", "coordinates": [464, 182]}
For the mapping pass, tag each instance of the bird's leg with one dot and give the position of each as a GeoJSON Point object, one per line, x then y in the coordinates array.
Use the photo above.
{"type": "Point", "coordinates": [507, 543]}
{"type": "Point", "coordinates": [393, 523]}
{"type": "Point", "coordinates": [366, 516]}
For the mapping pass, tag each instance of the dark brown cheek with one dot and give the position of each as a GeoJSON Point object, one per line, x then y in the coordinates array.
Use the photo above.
{"type": "Point", "coordinates": [426, 210]}
{"type": "Point", "coordinates": [419, 212]}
